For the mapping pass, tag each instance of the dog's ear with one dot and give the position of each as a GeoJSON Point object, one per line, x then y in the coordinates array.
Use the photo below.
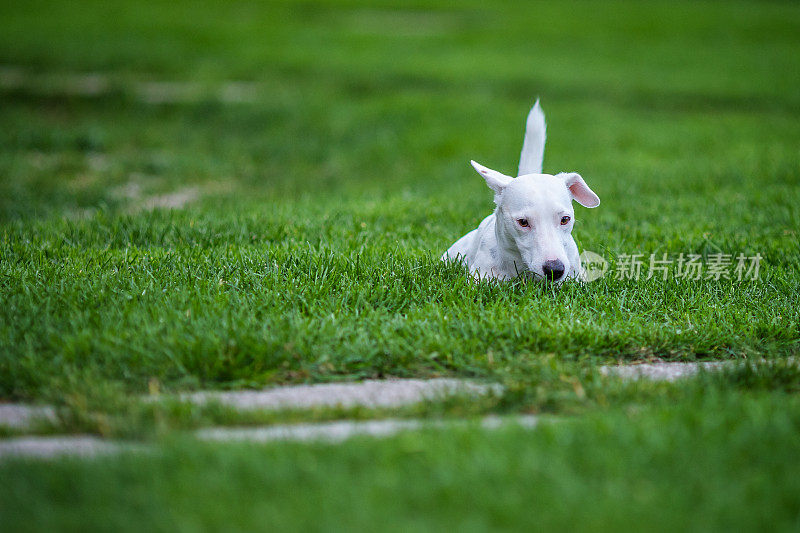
{"type": "Point", "coordinates": [495, 180]}
{"type": "Point", "coordinates": [581, 192]}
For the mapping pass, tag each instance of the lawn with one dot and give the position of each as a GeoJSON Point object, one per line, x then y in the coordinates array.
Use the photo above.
{"type": "Point", "coordinates": [228, 195]}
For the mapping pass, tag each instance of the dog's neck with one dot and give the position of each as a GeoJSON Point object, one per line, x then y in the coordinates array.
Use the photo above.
{"type": "Point", "coordinates": [507, 250]}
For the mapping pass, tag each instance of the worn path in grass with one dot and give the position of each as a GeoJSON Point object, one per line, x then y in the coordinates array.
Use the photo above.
{"type": "Point", "coordinates": [370, 395]}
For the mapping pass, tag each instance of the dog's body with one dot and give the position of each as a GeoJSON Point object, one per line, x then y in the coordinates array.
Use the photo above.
{"type": "Point", "coordinates": [529, 232]}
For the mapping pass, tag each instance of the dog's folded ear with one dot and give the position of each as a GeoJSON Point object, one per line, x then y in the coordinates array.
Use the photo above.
{"type": "Point", "coordinates": [581, 192]}
{"type": "Point", "coordinates": [495, 180]}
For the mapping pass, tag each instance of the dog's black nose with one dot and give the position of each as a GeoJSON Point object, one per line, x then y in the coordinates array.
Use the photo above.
{"type": "Point", "coordinates": [553, 269]}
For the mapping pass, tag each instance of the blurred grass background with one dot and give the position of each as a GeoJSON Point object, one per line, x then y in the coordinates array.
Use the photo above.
{"type": "Point", "coordinates": [309, 97]}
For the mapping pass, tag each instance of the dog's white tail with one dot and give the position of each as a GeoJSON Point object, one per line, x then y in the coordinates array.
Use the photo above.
{"type": "Point", "coordinates": [530, 160]}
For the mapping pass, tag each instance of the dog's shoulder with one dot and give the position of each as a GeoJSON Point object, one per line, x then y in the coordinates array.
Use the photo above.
{"type": "Point", "coordinates": [477, 247]}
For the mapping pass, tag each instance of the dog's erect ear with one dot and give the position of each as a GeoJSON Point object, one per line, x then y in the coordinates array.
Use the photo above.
{"type": "Point", "coordinates": [494, 179]}
{"type": "Point", "coordinates": [581, 192]}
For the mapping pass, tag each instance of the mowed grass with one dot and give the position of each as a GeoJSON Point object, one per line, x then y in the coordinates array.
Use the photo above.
{"type": "Point", "coordinates": [663, 467]}
{"type": "Point", "coordinates": [327, 197]}
{"type": "Point", "coordinates": [317, 156]}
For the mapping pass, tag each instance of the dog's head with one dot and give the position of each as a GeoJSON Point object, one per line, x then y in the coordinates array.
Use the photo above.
{"type": "Point", "coordinates": [535, 217]}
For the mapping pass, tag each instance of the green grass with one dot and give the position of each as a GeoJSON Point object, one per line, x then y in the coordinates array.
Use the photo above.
{"type": "Point", "coordinates": [325, 196]}
{"type": "Point", "coordinates": [663, 467]}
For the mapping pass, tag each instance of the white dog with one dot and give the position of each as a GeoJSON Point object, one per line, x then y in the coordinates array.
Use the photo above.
{"type": "Point", "coordinates": [530, 231]}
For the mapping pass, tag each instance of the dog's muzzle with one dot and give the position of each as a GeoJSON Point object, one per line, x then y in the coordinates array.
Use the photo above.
{"type": "Point", "coordinates": [553, 269]}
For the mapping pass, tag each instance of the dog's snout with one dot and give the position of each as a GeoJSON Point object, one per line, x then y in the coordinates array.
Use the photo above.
{"type": "Point", "coordinates": [553, 269]}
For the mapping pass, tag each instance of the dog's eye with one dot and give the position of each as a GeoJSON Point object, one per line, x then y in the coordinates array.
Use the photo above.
{"type": "Point", "coordinates": [523, 222]}
{"type": "Point", "coordinates": [565, 220]}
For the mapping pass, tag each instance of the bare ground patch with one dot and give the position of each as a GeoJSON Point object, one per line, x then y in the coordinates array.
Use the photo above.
{"type": "Point", "coordinates": [661, 371]}
{"type": "Point", "coordinates": [21, 416]}
{"type": "Point", "coordinates": [370, 394]}
{"type": "Point", "coordinates": [342, 430]}
{"type": "Point", "coordinates": [50, 447]}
